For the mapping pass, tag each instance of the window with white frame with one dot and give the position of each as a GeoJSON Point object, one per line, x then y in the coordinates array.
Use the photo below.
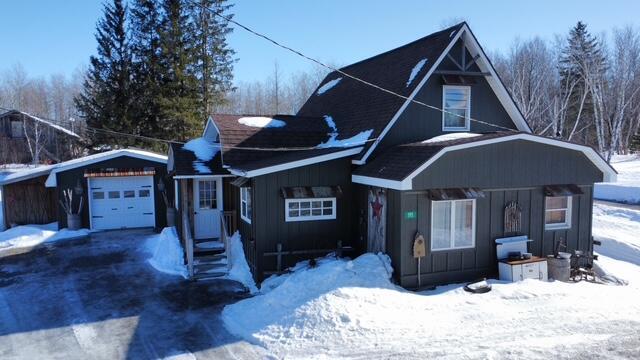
{"type": "Point", "coordinates": [453, 224]}
{"type": "Point", "coordinates": [557, 212]}
{"type": "Point", "coordinates": [310, 209]}
{"type": "Point", "coordinates": [456, 102]}
{"type": "Point", "coordinates": [17, 130]}
{"type": "Point", "coordinates": [245, 204]}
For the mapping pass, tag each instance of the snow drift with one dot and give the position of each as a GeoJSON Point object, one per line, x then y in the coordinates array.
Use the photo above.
{"type": "Point", "coordinates": [32, 235]}
{"type": "Point", "coordinates": [167, 253]}
{"type": "Point", "coordinates": [627, 188]}
{"type": "Point", "coordinates": [240, 271]}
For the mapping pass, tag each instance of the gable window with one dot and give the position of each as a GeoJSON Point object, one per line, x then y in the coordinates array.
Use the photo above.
{"type": "Point", "coordinates": [17, 130]}
{"type": "Point", "coordinates": [310, 209]}
{"type": "Point", "coordinates": [557, 212]}
{"type": "Point", "coordinates": [456, 102]}
{"type": "Point", "coordinates": [245, 204]}
{"type": "Point", "coordinates": [453, 224]}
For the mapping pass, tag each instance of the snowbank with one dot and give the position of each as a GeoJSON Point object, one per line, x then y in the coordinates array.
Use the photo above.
{"type": "Point", "coordinates": [32, 235]}
{"type": "Point", "coordinates": [618, 229]}
{"type": "Point", "coordinates": [627, 188]}
{"type": "Point", "coordinates": [416, 69]}
{"type": "Point", "coordinates": [167, 253]}
{"type": "Point", "coordinates": [262, 122]}
{"type": "Point", "coordinates": [356, 140]}
{"type": "Point", "coordinates": [451, 136]}
{"type": "Point", "coordinates": [240, 271]}
{"type": "Point", "coordinates": [328, 86]}
{"type": "Point", "coordinates": [330, 123]}
{"type": "Point", "coordinates": [204, 152]}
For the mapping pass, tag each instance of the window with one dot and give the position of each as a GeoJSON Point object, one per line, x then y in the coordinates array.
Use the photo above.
{"type": "Point", "coordinates": [98, 195]}
{"type": "Point", "coordinates": [114, 194]}
{"type": "Point", "coordinates": [17, 130]}
{"type": "Point", "coordinates": [456, 101]}
{"type": "Point", "coordinates": [310, 209]}
{"type": "Point", "coordinates": [453, 224]}
{"type": "Point", "coordinates": [207, 194]}
{"type": "Point", "coordinates": [129, 194]}
{"type": "Point", "coordinates": [144, 193]}
{"type": "Point", "coordinates": [557, 212]}
{"type": "Point", "coordinates": [245, 204]}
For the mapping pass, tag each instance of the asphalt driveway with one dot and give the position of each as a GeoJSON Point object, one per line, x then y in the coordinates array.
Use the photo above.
{"type": "Point", "coordinates": [99, 299]}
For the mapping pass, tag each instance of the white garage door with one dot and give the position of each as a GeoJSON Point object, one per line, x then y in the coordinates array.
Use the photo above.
{"type": "Point", "coordinates": [121, 202]}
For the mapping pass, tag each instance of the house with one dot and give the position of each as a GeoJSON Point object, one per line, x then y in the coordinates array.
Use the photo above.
{"type": "Point", "coordinates": [119, 189]}
{"type": "Point", "coordinates": [24, 137]}
{"type": "Point", "coordinates": [441, 154]}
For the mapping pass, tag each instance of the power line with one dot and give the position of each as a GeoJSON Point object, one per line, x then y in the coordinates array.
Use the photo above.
{"type": "Point", "coordinates": [316, 61]}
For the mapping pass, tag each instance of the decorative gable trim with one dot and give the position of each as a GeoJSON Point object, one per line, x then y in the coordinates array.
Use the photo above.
{"type": "Point", "coordinates": [485, 65]}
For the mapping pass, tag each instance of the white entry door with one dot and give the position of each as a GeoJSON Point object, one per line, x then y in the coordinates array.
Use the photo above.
{"type": "Point", "coordinates": [121, 202]}
{"type": "Point", "coordinates": [207, 202]}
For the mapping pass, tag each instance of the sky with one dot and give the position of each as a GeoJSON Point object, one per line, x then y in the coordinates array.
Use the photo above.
{"type": "Point", "coordinates": [48, 37]}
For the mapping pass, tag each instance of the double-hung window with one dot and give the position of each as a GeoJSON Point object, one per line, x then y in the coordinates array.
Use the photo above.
{"type": "Point", "coordinates": [557, 212]}
{"type": "Point", "coordinates": [456, 103]}
{"type": "Point", "coordinates": [453, 224]}
{"type": "Point", "coordinates": [310, 209]}
{"type": "Point", "coordinates": [245, 204]}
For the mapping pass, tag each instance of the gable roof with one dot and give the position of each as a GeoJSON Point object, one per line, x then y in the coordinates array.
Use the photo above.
{"type": "Point", "coordinates": [18, 175]}
{"type": "Point", "coordinates": [184, 162]}
{"type": "Point", "coordinates": [397, 166]}
{"type": "Point", "coordinates": [355, 106]}
{"type": "Point", "coordinates": [42, 121]}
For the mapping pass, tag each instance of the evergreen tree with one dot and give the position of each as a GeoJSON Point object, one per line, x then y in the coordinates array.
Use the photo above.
{"type": "Point", "coordinates": [105, 99]}
{"type": "Point", "coordinates": [213, 56]}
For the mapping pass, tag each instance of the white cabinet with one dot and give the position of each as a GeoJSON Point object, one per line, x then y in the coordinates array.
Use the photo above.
{"type": "Point", "coordinates": [534, 268]}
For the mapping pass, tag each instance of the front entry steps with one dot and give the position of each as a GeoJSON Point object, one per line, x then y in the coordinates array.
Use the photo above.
{"type": "Point", "coordinates": [210, 260]}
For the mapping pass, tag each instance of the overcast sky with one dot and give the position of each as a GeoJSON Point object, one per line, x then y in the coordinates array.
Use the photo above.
{"type": "Point", "coordinates": [49, 37]}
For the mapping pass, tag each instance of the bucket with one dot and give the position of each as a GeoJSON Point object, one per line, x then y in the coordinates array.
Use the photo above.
{"type": "Point", "coordinates": [171, 217]}
{"type": "Point", "coordinates": [73, 222]}
{"type": "Point", "coordinates": [559, 268]}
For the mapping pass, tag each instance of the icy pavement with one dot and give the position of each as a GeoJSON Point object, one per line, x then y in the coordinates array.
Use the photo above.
{"type": "Point", "coordinates": [100, 299]}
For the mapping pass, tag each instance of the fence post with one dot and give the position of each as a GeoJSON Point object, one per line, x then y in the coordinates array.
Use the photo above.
{"type": "Point", "coordinates": [279, 257]}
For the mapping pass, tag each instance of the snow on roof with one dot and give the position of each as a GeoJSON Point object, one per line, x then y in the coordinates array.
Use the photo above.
{"type": "Point", "coordinates": [46, 122]}
{"type": "Point", "coordinates": [204, 152]}
{"type": "Point", "coordinates": [262, 122]}
{"type": "Point", "coordinates": [331, 123]}
{"type": "Point", "coordinates": [17, 174]}
{"type": "Point", "coordinates": [356, 140]}
{"type": "Point", "coordinates": [449, 137]}
{"type": "Point", "coordinates": [326, 87]}
{"type": "Point", "coordinates": [451, 33]}
{"type": "Point", "coordinates": [416, 69]}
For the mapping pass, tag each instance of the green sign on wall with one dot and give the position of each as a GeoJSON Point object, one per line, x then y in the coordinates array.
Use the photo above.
{"type": "Point", "coordinates": [410, 215]}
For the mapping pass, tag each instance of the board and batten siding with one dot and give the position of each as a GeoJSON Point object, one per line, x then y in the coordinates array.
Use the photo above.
{"type": "Point", "coordinates": [417, 122]}
{"type": "Point", "coordinates": [440, 267]}
{"type": "Point", "coordinates": [268, 226]}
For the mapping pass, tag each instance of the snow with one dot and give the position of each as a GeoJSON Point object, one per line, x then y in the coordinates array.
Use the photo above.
{"type": "Point", "coordinates": [318, 312]}
{"type": "Point", "coordinates": [239, 267]}
{"type": "Point", "coordinates": [451, 136]}
{"type": "Point", "coordinates": [416, 69]}
{"type": "Point", "coordinates": [627, 187]}
{"type": "Point", "coordinates": [452, 32]}
{"type": "Point", "coordinates": [331, 123]}
{"type": "Point", "coordinates": [356, 140]}
{"type": "Point", "coordinates": [26, 236]}
{"type": "Point", "coordinates": [328, 86]}
{"type": "Point", "coordinates": [204, 152]}
{"type": "Point", "coordinates": [167, 253]}
{"type": "Point", "coordinates": [262, 122]}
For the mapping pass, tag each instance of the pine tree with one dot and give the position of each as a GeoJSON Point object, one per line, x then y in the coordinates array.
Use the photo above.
{"type": "Point", "coordinates": [213, 56]}
{"type": "Point", "coordinates": [105, 99]}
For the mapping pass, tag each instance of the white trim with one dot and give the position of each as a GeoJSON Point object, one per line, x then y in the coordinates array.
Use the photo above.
{"type": "Point", "coordinates": [210, 122]}
{"type": "Point", "coordinates": [288, 218]}
{"type": "Point", "coordinates": [92, 159]}
{"type": "Point", "coordinates": [467, 115]}
{"type": "Point", "coordinates": [498, 87]}
{"type": "Point", "coordinates": [452, 229]}
{"type": "Point", "coordinates": [296, 164]}
{"type": "Point", "coordinates": [568, 213]}
{"type": "Point", "coordinates": [176, 195]}
{"type": "Point", "coordinates": [25, 174]}
{"type": "Point", "coordinates": [609, 174]}
{"type": "Point", "coordinates": [179, 177]}
{"type": "Point", "coordinates": [248, 203]}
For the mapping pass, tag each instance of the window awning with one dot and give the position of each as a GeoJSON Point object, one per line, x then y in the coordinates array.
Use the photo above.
{"type": "Point", "coordinates": [305, 192]}
{"type": "Point", "coordinates": [455, 194]}
{"type": "Point", "coordinates": [112, 172]}
{"type": "Point", "coordinates": [240, 181]}
{"type": "Point", "coordinates": [562, 190]}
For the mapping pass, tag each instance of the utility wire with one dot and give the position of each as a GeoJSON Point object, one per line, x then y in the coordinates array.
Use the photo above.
{"type": "Point", "coordinates": [316, 61]}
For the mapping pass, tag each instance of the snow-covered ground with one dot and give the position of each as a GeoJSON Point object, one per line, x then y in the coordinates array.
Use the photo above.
{"type": "Point", "coordinates": [350, 309]}
{"type": "Point", "coordinates": [627, 188]}
{"type": "Point", "coordinates": [28, 236]}
{"type": "Point", "coordinates": [167, 255]}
